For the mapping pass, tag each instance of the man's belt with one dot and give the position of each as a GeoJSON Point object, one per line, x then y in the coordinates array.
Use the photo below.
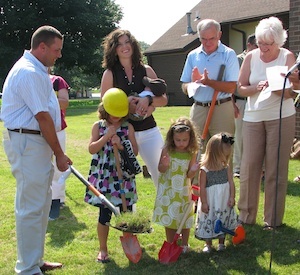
{"type": "Point", "coordinates": [241, 98]}
{"type": "Point", "coordinates": [218, 102]}
{"type": "Point", "coordinates": [25, 131]}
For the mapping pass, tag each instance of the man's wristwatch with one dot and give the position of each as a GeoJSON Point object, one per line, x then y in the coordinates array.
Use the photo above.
{"type": "Point", "coordinates": [150, 98]}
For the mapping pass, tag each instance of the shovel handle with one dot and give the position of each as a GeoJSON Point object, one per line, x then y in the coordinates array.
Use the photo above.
{"type": "Point", "coordinates": [213, 103]}
{"type": "Point", "coordinates": [211, 109]}
{"type": "Point", "coordinates": [209, 115]}
{"type": "Point", "coordinates": [226, 230]}
{"type": "Point", "coordinates": [219, 227]}
{"type": "Point", "coordinates": [120, 177]}
{"type": "Point", "coordinates": [102, 198]}
{"type": "Point", "coordinates": [185, 216]}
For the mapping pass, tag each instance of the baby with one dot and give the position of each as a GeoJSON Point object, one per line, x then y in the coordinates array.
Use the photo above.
{"type": "Point", "coordinates": [153, 87]}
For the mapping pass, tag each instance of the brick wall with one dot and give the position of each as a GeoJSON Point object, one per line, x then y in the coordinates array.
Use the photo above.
{"type": "Point", "coordinates": [294, 42]}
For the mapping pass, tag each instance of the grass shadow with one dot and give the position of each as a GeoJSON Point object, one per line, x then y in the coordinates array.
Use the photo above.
{"type": "Point", "coordinates": [259, 245]}
{"type": "Point", "coordinates": [293, 189]}
{"type": "Point", "coordinates": [61, 231]}
{"type": "Point", "coordinates": [255, 251]}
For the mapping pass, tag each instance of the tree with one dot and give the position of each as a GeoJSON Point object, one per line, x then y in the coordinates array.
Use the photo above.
{"type": "Point", "coordinates": [84, 23]}
{"type": "Point", "coordinates": [144, 46]}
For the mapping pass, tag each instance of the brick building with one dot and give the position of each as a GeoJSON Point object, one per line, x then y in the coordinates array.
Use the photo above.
{"type": "Point", "coordinates": [238, 19]}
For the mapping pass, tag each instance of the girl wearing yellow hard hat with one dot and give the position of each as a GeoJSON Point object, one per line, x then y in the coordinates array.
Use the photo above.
{"type": "Point", "coordinates": [110, 130]}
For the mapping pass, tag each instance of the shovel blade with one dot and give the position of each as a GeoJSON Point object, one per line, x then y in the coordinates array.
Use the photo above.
{"type": "Point", "coordinates": [131, 247]}
{"type": "Point", "coordinates": [169, 252]}
{"type": "Point", "coordinates": [240, 235]}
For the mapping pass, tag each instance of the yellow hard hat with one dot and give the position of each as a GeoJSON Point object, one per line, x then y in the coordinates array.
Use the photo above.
{"type": "Point", "coordinates": [115, 102]}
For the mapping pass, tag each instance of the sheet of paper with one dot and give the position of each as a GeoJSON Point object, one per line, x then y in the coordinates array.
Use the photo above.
{"type": "Point", "coordinates": [192, 88]}
{"type": "Point", "coordinates": [263, 95]}
{"type": "Point", "coordinates": [275, 79]}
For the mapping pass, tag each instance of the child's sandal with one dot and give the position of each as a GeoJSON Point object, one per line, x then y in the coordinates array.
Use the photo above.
{"type": "Point", "coordinates": [103, 257]}
{"type": "Point", "coordinates": [297, 179]}
{"type": "Point", "coordinates": [185, 248]}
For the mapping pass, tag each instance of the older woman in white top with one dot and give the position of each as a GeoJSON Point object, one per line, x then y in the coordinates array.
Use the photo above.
{"type": "Point", "coordinates": [261, 125]}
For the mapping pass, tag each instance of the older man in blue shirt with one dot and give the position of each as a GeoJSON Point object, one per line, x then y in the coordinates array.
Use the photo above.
{"type": "Point", "coordinates": [202, 66]}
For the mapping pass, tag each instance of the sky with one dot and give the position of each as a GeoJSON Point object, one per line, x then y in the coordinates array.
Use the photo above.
{"type": "Point", "coordinates": [142, 17]}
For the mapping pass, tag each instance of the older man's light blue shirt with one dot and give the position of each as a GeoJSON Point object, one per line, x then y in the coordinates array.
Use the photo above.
{"type": "Point", "coordinates": [27, 91]}
{"type": "Point", "coordinates": [212, 63]}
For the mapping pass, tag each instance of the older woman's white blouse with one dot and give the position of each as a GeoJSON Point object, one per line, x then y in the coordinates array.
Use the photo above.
{"type": "Point", "coordinates": [265, 110]}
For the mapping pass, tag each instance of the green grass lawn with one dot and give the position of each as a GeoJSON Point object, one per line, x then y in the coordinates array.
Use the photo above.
{"type": "Point", "coordinates": [72, 238]}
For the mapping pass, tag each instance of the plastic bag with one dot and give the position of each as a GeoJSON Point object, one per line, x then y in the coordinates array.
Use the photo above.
{"type": "Point", "coordinates": [129, 162]}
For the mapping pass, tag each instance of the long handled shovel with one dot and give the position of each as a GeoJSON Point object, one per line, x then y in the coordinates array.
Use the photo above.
{"type": "Point", "coordinates": [210, 114]}
{"type": "Point", "coordinates": [238, 234]}
{"type": "Point", "coordinates": [170, 252]}
{"type": "Point", "coordinates": [210, 111]}
{"type": "Point", "coordinates": [130, 243]}
{"type": "Point", "coordinates": [101, 197]}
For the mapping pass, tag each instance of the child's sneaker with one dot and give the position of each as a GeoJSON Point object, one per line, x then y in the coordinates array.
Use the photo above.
{"type": "Point", "coordinates": [185, 248]}
{"type": "Point", "coordinates": [221, 247]}
{"type": "Point", "coordinates": [207, 248]}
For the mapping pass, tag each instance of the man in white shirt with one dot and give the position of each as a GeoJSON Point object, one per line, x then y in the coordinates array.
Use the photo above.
{"type": "Point", "coordinates": [31, 116]}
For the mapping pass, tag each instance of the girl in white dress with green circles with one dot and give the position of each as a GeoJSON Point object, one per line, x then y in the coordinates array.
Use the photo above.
{"type": "Point", "coordinates": [177, 164]}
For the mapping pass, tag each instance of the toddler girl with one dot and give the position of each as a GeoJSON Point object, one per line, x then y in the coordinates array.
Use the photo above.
{"type": "Point", "coordinates": [217, 191]}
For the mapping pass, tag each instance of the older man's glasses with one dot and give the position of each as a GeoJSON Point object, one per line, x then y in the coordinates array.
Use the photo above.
{"type": "Point", "coordinates": [205, 40]}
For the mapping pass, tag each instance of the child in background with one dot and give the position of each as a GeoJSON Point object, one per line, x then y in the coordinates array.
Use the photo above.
{"type": "Point", "coordinates": [177, 164]}
{"type": "Point", "coordinates": [111, 129]}
{"type": "Point", "coordinates": [217, 191]}
{"type": "Point", "coordinates": [62, 89]}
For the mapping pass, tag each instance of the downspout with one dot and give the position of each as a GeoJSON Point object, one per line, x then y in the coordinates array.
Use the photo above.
{"type": "Point", "coordinates": [243, 34]}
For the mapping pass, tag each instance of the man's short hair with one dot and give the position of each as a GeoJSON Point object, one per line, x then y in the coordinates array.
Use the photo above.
{"type": "Point", "coordinates": [45, 34]}
{"type": "Point", "coordinates": [206, 24]}
{"type": "Point", "coordinates": [251, 39]}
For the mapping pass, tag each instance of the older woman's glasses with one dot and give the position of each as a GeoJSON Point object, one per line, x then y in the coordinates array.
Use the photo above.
{"type": "Point", "coordinates": [179, 128]}
{"type": "Point", "coordinates": [227, 139]}
{"type": "Point", "coordinates": [261, 44]}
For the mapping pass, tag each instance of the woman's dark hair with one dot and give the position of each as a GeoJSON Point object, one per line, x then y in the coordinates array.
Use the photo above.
{"type": "Point", "coordinates": [110, 44]}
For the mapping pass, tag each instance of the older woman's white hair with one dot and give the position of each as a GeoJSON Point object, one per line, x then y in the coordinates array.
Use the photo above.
{"type": "Point", "coordinates": [270, 30]}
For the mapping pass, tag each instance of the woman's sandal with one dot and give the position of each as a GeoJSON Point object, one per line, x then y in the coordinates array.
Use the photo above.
{"type": "Point", "coordinates": [270, 228]}
{"type": "Point", "coordinates": [103, 258]}
{"type": "Point", "coordinates": [297, 179]}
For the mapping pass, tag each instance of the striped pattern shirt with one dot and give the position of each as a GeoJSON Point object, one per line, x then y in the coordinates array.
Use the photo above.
{"type": "Point", "coordinates": [27, 91]}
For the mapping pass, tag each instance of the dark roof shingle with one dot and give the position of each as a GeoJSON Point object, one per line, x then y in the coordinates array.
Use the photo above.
{"type": "Point", "coordinates": [223, 11]}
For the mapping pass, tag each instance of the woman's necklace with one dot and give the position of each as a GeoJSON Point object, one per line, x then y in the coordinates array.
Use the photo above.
{"type": "Point", "coordinates": [130, 77]}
